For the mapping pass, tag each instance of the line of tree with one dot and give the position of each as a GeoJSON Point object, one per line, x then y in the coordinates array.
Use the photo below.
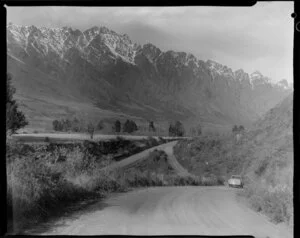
{"type": "Point", "coordinates": [76, 125]}
{"type": "Point", "coordinates": [130, 126]}
{"type": "Point", "coordinates": [15, 119]}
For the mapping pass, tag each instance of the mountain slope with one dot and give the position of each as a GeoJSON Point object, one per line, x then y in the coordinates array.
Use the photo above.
{"type": "Point", "coordinates": [263, 156]}
{"type": "Point", "coordinates": [107, 72]}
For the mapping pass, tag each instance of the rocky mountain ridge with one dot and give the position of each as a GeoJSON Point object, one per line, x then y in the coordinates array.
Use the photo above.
{"type": "Point", "coordinates": [109, 69]}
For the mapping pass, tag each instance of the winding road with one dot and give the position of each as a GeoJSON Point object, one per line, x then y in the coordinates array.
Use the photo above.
{"type": "Point", "coordinates": [189, 210]}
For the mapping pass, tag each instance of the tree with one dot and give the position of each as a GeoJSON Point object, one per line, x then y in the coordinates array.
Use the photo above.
{"type": "Point", "coordinates": [117, 126]}
{"type": "Point", "coordinates": [179, 128]}
{"type": "Point", "coordinates": [193, 131]}
{"type": "Point", "coordinates": [238, 129]}
{"type": "Point", "coordinates": [57, 125]}
{"type": "Point", "coordinates": [151, 126]}
{"type": "Point", "coordinates": [171, 130]}
{"type": "Point", "coordinates": [91, 129]}
{"type": "Point", "coordinates": [241, 128]}
{"type": "Point", "coordinates": [67, 125]}
{"type": "Point", "coordinates": [15, 119]}
{"type": "Point", "coordinates": [100, 125]}
{"type": "Point", "coordinates": [199, 131]}
{"type": "Point", "coordinates": [176, 129]}
{"type": "Point", "coordinates": [235, 129]}
{"type": "Point", "coordinates": [76, 127]}
{"type": "Point", "coordinates": [129, 126]}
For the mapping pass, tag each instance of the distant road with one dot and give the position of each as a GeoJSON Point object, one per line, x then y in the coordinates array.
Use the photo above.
{"type": "Point", "coordinates": [168, 211]}
{"type": "Point", "coordinates": [167, 147]}
{"type": "Point", "coordinates": [40, 137]}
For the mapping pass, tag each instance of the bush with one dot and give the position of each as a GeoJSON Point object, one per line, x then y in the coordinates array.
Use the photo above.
{"type": "Point", "coordinates": [39, 184]}
{"type": "Point", "coordinates": [162, 140]}
{"type": "Point", "coordinates": [151, 142]}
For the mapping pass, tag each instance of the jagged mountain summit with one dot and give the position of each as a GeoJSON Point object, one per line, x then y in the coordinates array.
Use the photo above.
{"type": "Point", "coordinates": [108, 72]}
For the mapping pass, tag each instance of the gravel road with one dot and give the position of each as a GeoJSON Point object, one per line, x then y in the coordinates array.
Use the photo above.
{"type": "Point", "coordinates": [170, 211]}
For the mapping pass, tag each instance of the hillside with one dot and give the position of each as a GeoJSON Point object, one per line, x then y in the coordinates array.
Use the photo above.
{"type": "Point", "coordinates": [263, 156]}
{"type": "Point", "coordinates": [61, 72]}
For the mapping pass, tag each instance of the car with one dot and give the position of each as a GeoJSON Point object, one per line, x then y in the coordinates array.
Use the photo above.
{"type": "Point", "coordinates": [235, 181]}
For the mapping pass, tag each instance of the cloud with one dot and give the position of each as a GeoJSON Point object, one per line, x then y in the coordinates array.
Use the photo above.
{"type": "Point", "coordinates": [258, 37]}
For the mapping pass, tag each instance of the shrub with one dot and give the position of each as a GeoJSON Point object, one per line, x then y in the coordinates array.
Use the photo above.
{"type": "Point", "coordinates": [152, 141]}
{"type": "Point", "coordinates": [261, 168]}
{"type": "Point", "coordinates": [162, 140]}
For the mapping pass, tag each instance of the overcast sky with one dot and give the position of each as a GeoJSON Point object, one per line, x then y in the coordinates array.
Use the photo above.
{"type": "Point", "coordinates": [251, 38]}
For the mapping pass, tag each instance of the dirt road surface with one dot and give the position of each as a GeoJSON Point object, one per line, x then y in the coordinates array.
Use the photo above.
{"type": "Point", "coordinates": [170, 211]}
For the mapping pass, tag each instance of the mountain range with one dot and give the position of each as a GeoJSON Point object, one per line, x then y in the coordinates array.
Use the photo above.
{"type": "Point", "coordinates": [99, 73]}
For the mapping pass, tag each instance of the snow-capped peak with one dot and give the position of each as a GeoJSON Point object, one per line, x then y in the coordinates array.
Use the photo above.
{"type": "Point", "coordinates": [256, 74]}
{"type": "Point", "coordinates": [241, 76]}
{"type": "Point", "coordinates": [284, 84]}
{"type": "Point", "coordinates": [219, 69]}
{"type": "Point", "coordinates": [60, 40]}
{"type": "Point", "coordinates": [257, 78]}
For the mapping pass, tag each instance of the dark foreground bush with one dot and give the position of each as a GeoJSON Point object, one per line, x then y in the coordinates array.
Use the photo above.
{"type": "Point", "coordinates": [40, 182]}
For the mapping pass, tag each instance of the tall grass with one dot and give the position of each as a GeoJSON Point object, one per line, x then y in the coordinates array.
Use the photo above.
{"type": "Point", "coordinates": [41, 179]}
{"type": "Point", "coordinates": [276, 202]}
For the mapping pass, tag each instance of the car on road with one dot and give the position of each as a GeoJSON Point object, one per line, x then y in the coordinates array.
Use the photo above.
{"type": "Point", "coordinates": [235, 181]}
